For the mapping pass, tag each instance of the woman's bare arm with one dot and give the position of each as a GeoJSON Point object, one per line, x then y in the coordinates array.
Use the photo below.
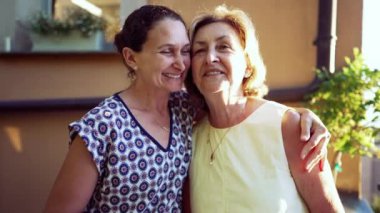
{"type": "Point", "coordinates": [314, 132]}
{"type": "Point", "coordinates": [316, 187]}
{"type": "Point", "coordinates": [75, 182]}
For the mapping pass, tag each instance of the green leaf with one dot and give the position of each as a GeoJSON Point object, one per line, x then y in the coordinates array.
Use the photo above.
{"type": "Point", "coordinates": [342, 101]}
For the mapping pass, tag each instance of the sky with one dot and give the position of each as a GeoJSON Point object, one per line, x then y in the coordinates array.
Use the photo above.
{"type": "Point", "coordinates": [371, 33]}
{"type": "Point", "coordinates": [371, 39]}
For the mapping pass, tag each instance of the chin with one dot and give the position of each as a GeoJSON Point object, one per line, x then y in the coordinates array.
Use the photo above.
{"type": "Point", "coordinates": [213, 90]}
{"type": "Point", "coordinates": [175, 88]}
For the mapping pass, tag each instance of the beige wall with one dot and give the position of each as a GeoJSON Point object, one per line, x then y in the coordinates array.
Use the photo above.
{"type": "Point", "coordinates": [349, 29]}
{"type": "Point", "coordinates": [32, 147]}
{"type": "Point", "coordinates": [25, 77]}
{"type": "Point", "coordinates": [33, 143]}
{"type": "Point", "coordinates": [286, 31]}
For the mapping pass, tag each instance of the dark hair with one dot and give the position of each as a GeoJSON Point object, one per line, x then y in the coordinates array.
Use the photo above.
{"type": "Point", "coordinates": [139, 22]}
{"type": "Point", "coordinates": [137, 25]}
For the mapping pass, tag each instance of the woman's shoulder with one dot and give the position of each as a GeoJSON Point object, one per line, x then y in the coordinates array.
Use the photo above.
{"type": "Point", "coordinates": [290, 128]}
{"type": "Point", "coordinates": [106, 106]}
{"type": "Point", "coordinates": [108, 109]}
{"type": "Point", "coordinates": [265, 108]}
{"type": "Point", "coordinates": [272, 104]}
{"type": "Point", "coordinates": [289, 117]}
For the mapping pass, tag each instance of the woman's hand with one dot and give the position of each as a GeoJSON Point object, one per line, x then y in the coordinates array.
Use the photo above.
{"type": "Point", "coordinates": [314, 132]}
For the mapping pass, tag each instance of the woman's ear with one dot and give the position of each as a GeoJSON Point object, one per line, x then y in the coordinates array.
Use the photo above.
{"type": "Point", "coordinates": [248, 72]}
{"type": "Point", "coordinates": [248, 69]}
{"type": "Point", "coordinates": [129, 58]}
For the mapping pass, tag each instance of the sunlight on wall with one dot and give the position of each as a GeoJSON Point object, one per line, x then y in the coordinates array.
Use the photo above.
{"type": "Point", "coordinates": [14, 136]}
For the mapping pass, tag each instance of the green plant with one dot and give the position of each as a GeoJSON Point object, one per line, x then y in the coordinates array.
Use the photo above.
{"type": "Point", "coordinates": [74, 19]}
{"type": "Point", "coordinates": [344, 101]}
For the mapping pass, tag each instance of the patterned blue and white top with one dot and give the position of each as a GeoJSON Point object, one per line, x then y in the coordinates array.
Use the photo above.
{"type": "Point", "coordinates": [136, 174]}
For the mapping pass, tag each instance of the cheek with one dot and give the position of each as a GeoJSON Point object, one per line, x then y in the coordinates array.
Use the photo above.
{"type": "Point", "coordinates": [238, 67]}
{"type": "Point", "coordinates": [195, 64]}
{"type": "Point", "coordinates": [196, 77]}
{"type": "Point", "coordinates": [187, 62]}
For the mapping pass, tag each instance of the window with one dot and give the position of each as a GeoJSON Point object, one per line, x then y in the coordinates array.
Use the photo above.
{"type": "Point", "coordinates": [17, 35]}
{"type": "Point", "coordinates": [109, 10]}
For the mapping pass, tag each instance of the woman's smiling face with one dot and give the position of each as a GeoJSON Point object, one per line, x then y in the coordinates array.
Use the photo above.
{"type": "Point", "coordinates": [165, 57]}
{"type": "Point", "coordinates": [218, 62]}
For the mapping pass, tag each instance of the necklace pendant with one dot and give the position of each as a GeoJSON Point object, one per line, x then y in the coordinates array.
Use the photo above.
{"type": "Point", "coordinates": [165, 128]}
{"type": "Point", "coordinates": [212, 159]}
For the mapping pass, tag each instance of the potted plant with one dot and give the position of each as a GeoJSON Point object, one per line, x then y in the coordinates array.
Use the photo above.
{"type": "Point", "coordinates": [77, 30]}
{"type": "Point", "coordinates": [348, 102]}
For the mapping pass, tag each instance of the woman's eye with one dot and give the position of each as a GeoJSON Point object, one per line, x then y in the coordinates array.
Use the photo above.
{"type": "Point", "coordinates": [166, 52]}
{"type": "Point", "coordinates": [197, 51]}
{"type": "Point", "coordinates": [185, 52]}
{"type": "Point", "coordinates": [223, 47]}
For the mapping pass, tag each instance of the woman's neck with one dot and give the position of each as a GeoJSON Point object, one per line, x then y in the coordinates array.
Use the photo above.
{"type": "Point", "coordinates": [146, 99]}
{"type": "Point", "coordinates": [226, 111]}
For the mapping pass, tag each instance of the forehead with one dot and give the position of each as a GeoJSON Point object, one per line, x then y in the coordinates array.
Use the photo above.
{"type": "Point", "coordinates": [167, 31]}
{"type": "Point", "coordinates": [216, 30]}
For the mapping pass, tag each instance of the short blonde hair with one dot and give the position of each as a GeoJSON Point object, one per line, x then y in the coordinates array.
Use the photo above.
{"type": "Point", "coordinates": [254, 85]}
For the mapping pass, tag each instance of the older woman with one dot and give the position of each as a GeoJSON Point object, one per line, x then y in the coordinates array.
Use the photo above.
{"type": "Point", "coordinates": [245, 152]}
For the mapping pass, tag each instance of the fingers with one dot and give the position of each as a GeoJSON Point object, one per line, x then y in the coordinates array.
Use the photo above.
{"type": "Point", "coordinates": [312, 143]}
{"type": "Point", "coordinates": [317, 148]}
{"type": "Point", "coordinates": [320, 135]}
{"type": "Point", "coordinates": [306, 121]}
{"type": "Point", "coordinates": [322, 164]}
{"type": "Point", "coordinates": [317, 157]}
{"type": "Point", "coordinates": [317, 136]}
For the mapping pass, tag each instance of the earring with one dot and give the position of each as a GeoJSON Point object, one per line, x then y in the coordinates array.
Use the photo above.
{"type": "Point", "coordinates": [248, 73]}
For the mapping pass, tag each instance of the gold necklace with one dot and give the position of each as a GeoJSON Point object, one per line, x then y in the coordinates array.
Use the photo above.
{"type": "Point", "coordinates": [141, 110]}
{"type": "Point", "coordinates": [167, 129]}
{"type": "Point", "coordinates": [213, 151]}
{"type": "Point", "coordinates": [161, 125]}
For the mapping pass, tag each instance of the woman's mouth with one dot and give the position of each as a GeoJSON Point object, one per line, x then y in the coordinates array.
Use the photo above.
{"type": "Point", "coordinates": [213, 73]}
{"type": "Point", "coordinates": [171, 75]}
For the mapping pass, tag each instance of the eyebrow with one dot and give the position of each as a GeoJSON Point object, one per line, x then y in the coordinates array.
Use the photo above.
{"type": "Point", "coordinates": [171, 45]}
{"type": "Point", "coordinates": [165, 45]}
{"type": "Point", "coordinates": [217, 39]}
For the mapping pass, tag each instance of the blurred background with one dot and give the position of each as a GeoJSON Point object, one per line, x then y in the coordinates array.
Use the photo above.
{"type": "Point", "coordinates": [45, 86]}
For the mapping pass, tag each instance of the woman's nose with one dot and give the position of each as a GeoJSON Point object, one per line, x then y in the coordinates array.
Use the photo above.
{"type": "Point", "coordinates": [211, 57]}
{"type": "Point", "coordinates": [179, 62]}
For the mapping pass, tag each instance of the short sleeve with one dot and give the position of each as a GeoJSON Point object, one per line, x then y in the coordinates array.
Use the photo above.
{"type": "Point", "coordinates": [94, 131]}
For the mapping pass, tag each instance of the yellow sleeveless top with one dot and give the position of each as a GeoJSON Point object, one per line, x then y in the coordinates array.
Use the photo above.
{"type": "Point", "coordinates": [249, 172]}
